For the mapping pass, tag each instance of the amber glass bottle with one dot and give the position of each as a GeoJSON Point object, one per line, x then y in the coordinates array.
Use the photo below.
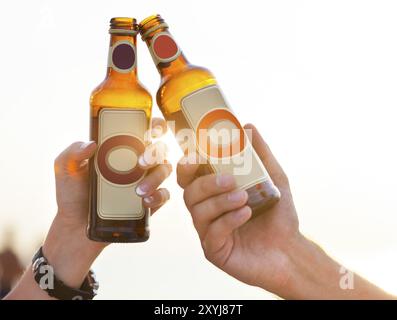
{"type": "Point", "coordinates": [190, 97]}
{"type": "Point", "coordinates": [120, 116]}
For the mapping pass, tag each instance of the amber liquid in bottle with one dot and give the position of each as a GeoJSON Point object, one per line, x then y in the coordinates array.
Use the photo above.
{"type": "Point", "coordinates": [120, 109]}
{"type": "Point", "coordinates": [190, 97]}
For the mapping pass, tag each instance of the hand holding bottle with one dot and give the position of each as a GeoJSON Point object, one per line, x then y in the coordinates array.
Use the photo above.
{"type": "Point", "coordinates": [268, 250]}
{"type": "Point", "coordinates": [66, 246]}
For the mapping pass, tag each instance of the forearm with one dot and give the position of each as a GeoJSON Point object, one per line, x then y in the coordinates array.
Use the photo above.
{"type": "Point", "coordinates": [314, 275]}
{"type": "Point", "coordinates": [27, 289]}
{"type": "Point", "coordinates": [70, 254]}
{"type": "Point", "coordinates": [73, 276]}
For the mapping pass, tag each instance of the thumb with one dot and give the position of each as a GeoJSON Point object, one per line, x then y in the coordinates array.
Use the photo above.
{"type": "Point", "coordinates": [268, 159]}
{"type": "Point", "coordinates": [74, 157]}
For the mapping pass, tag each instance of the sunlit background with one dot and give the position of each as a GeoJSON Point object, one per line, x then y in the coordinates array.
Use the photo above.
{"type": "Point", "coordinates": [318, 78]}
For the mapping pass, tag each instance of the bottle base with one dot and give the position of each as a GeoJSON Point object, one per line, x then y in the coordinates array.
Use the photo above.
{"type": "Point", "coordinates": [115, 237]}
{"type": "Point", "coordinates": [262, 197]}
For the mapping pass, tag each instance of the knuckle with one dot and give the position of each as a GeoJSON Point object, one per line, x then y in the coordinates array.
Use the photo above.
{"type": "Point", "coordinates": [179, 181]}
{"type": "Point", "coordinates": [211, 231]}
{"type": "Point", "coordinates": [186, 198]}
{"type": "Point", "coordinates": [228, 222]}
{"type": "Point", "coordinates": [56, 167]}
{"type": "Point", "coordinates": [213, 206]}
{"type": "Point", "coordinates": [179, 171]}
{"type": "Point", "coordinates": [164, 194]}
{"type": "Point", "coordinates": [56, 162]}
{"type": "Point", "coordinates": [164, 172]}
{"type": "Point", "coordinates": [283, 178]}
{"type": "Point", "coordinates": [286, 180]}
{"type": "Point", "coordinates": [205, 244]}
{"type": "Point", "coordinates": [202, 187]}
{"type": "Point", "coordinates": [168, 167]}
{"type": "Point", "coordinates": [204, 183]}
{"type": "Point", "coordinates": [207, 253]}
{"type": "Point", "coordinates": [196, 218]}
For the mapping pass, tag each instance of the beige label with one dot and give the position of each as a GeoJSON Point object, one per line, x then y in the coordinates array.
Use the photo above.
{"type": "Point", "coordinates": [121, 135]}
{"type": "Point", "coordinates": [221, 139]}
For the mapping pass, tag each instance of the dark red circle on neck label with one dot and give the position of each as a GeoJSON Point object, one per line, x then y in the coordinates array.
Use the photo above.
{"type": "Point", "coordinates": [165, 47]}
{"type": "Point", "coordinates": [123, 56]}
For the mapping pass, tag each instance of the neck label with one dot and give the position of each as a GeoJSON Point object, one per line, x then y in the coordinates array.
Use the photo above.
{"type": "Point", "coordinates": [164, 48]}
{"type": "Point", "coordinates": [122, 56]}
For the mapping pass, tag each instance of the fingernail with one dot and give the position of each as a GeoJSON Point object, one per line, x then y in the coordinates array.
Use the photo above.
{"type": "Point", "coordinates": [83, 163]}
{"type": "Point", "coordinates": [237, 196]}
{"type": "Point", "coordinates": [224, 180]}
{"type": "Point", "coordinates": [86, 144]}
{"type": "Point", "coordinates": [142, 189]}
{"type": "Point", "coordinates": [166, 194]}
{"type": "Point", "coordinates": [142, 161]}
{"type": "Point", "coordinates": [148, 200]}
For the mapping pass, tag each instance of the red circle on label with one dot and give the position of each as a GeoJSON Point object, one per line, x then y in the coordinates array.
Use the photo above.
{"type": "Point", "coordinates": [123, 56]}
{"type": "Point", "coordinates": [165, 47]}
{"type": "Point", "coordinates": [215, 150]}
{"type": "Point", "coordinates": [122, 141]}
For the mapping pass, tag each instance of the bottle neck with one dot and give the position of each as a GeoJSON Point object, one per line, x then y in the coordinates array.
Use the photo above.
{"type": "Point", "coordinates": [166, 53]}
{"type": "Point", "coordinates": [122, 58]}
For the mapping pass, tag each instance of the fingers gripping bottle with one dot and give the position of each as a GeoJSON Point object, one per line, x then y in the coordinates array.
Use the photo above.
{"type": "Point", "coordinates": [190, 97]}
{"type": "Point", "coordinates": [120, 116]}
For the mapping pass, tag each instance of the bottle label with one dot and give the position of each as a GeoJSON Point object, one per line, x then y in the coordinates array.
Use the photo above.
{"type": "Point", "coordinates": [220, 138]}
{"type": "Point", "coordinates": [122, 56]}
{"type": "Point", "coordinates": [121, 136]}
{"type": "Point", "coordinates": [163, 48]}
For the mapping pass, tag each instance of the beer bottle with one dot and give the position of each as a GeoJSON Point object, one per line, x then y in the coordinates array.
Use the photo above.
{"type": "Point", "coordinates": [120, 117]}
{"type": "Point", "coordinates": [190, 97]}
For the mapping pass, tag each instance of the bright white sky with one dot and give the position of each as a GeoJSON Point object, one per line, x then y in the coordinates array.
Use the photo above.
{"type": "Point", "coordinates": [318, 78]}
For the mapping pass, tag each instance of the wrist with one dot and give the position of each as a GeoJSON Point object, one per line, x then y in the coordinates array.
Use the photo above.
{"type": "Point", "coordinates": [311, 271]}
{"type": "Point", "coordinates": [314, 275]}
{"type": "Point", "coordinates": [70, 252]}
{"type": "Point", "coordinates": [288, 267]}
